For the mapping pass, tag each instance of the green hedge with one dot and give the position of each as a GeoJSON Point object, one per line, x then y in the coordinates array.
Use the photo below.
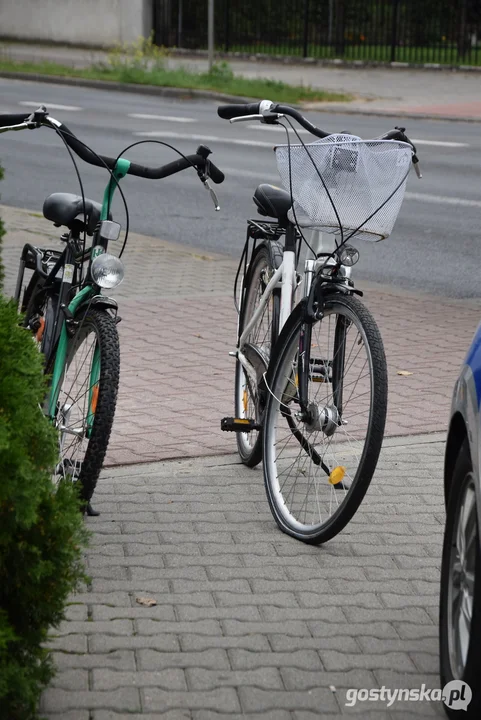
{"type": "Point", "coordinates": [41, 527]}
{"type": "Point", "coordinates": [2, 233]}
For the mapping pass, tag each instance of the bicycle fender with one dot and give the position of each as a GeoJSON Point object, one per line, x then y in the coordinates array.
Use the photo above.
{"type": "Point", "coordinates": [99, 302]}
{"type": "Point", "coordinates": [275, 250]}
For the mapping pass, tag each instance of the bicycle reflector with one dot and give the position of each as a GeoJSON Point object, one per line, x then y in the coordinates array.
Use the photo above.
{"type": "Point", "coordinates": [107, 271]}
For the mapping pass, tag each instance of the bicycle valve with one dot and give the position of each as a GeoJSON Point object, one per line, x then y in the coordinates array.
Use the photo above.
{"type": "Point", "coordinates": [212, 194]}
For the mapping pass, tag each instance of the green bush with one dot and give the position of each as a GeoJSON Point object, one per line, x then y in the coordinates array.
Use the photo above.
{"type": "Point", "coordinates": [41, 528]}
{"type": "Point", "coordinates": [2, 233]}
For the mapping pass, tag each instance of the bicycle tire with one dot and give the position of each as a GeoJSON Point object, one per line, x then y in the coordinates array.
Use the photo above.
{"type": "Point", "coordinates": [86, 465]}
{"type": "Point", "coordinates": [248, 401]}
{"type": "Point", "coordinates": [323, 371]}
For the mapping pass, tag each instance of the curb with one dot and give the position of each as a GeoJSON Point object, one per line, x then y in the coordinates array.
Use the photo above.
{"type": "Point", "coordinates": [378, 112]}
{"type": "Point", "coordinates": [125, 87]}
{"type": "Point", "coordinates": [192, 93]}
{"type": "Point", "coordinates": [325, 62]}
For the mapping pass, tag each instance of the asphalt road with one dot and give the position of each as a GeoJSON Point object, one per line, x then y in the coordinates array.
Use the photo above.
{"type": "Point", "coordinates": [436, 243]}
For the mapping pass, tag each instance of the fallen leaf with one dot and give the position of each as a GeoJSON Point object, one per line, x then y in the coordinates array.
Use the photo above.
{"type": "Point", "coordinates": [404, 372]}
{"type": "Point", "coordinates": [147, 602]}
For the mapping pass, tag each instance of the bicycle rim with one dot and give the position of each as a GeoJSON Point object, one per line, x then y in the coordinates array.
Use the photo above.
{"type": "Point", "coordinates": [77, 402]}
{"type": "Point", "coordinates": [257, 351]}
{"type": "Point", "coordinates": [347, 402]}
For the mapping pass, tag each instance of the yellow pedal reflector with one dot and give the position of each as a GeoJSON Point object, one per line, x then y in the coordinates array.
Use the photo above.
{"type": "Point", "coordinates": [244, 400]}
{"type": "Point", "coordinates": [337, 475]}
{"type": "Point", "coordinates": [244, 421]}
{"type": "Point", "coordinates": [95, 398]}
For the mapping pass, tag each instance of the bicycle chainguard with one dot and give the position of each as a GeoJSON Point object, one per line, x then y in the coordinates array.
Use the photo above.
{"type": "Point", "coordinates": [243, 425]}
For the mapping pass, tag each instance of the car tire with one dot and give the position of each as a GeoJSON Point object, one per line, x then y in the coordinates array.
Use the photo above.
{"type": "Point", "coordinates": [460, 640]}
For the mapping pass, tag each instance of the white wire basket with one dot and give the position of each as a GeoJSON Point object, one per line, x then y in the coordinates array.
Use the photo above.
{"type": "Point", "coordinates": [362, 187]}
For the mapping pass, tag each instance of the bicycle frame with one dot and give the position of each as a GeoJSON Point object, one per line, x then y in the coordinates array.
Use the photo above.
{"type": "Point", "coordinates": [286, 277]}
{"type": "Point", "coordinates": [86, 294]}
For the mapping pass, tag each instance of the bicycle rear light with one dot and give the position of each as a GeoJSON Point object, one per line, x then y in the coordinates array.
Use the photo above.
{"type": "Point", "coordinates": [107, 271]}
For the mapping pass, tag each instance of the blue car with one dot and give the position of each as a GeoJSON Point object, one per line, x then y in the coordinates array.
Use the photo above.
{"type": "Point", "coordinates": [460, 597]}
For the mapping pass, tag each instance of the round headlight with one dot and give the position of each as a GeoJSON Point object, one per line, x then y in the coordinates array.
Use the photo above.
{"type": "Point", "coordinates": [349, 256]}
{"type": "Point", "coordinates": [107, 271]}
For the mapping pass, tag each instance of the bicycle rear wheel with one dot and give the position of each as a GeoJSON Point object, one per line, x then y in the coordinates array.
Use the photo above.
{"type": "Point", "coordinates": [317, 467]}
{"type": "Point", "coordinates": [249, 400]}
{"type": "Point", "coordinates": [86, 402]}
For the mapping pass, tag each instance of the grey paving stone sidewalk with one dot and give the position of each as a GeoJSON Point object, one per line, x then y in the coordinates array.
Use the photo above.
{"type": "Point", "coordinates": [248, 622]}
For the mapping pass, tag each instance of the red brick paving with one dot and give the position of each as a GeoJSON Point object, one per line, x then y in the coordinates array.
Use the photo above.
{"type": "Point", "coordinates": [179, 323]}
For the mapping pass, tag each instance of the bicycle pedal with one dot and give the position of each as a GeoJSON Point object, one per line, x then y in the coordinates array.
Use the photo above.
{"type": "Point", "coordinates": [244, 425]}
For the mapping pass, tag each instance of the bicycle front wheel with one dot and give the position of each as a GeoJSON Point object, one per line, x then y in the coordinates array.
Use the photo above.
{"type": "Point", "coordinates": [318, 465]}
{"type": "Point", "coordinates": [87, 397]}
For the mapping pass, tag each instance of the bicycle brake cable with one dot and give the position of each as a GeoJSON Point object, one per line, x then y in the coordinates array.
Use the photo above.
{"type": "Point", "coordinates": [144, 142]}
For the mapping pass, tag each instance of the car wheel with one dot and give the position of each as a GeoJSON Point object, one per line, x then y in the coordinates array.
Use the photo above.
{"type": "Point", "coordinates": [460, 597]}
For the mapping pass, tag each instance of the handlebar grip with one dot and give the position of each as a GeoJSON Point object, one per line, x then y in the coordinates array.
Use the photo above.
{"type": "Point", "coordinates": [215, 174]}
{"type": "Point", "coordinates": [12, 119]}
{"type": "Point", "coordinates": [227, 112]}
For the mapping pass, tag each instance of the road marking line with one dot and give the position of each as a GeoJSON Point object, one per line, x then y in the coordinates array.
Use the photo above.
{"type": "Point", "coordinates": [262, 126]}
{"type": "Point", "coordinates": [439, 143]}
{"type": "Point", "coordinates": [420, 197]}
{"type": "Point", "coordinates": [50, 106]}
{"type": "Point", "coordinates": [260, 143]}
{"type": "Point", "coordinates": [171, 118]}
{"type": "Point", "coordinates": [441, 200]}
{"type": "Point", "coordinates": [202, 138]}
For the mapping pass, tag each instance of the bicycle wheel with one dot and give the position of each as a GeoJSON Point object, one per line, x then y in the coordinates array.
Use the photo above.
{"type": "Point", "coordinates": [87, 396]}
{"type": "Point", "coordinates": [317, 468]}
{"type": "Point", "coordinates": [249, 399]}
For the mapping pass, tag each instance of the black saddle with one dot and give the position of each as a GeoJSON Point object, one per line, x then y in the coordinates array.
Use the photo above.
{"type": "Point", "coordinates": [272, 202]}
{"type": "Point", "coordinates": [64, 208]}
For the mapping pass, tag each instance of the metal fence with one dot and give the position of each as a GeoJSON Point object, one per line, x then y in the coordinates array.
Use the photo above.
{"type": "Point", "coordinates": [416, 31]}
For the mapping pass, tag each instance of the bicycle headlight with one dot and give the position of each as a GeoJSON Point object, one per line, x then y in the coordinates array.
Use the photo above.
{"type": "Point", "coordinates": [349, 256]}
{"type": "Point", "coordinates": [107, 271]}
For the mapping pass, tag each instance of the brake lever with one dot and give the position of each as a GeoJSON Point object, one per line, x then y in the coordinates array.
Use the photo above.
{"type": "Point", "coordinates": [212, 194]}
{"type": "Point", "coordinates": [415, 159]}
{"type": "Point", "coordinates": [417, 167]}
{"type": "Point", "coordinates": [204, 178]}
{"type": "Point", "coordinates": [267, 119]}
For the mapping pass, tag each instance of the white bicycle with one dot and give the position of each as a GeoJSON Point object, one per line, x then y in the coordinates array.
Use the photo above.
{"type": "Point", "coordinates": [311, 377]}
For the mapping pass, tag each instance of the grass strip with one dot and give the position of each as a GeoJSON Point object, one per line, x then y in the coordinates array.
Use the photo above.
{"type": "Point", "coordinates": [219, 80]}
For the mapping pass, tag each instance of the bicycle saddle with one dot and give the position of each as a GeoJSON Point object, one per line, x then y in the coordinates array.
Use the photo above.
{"type": "Point", "coordinates": [272, 201]}
{"type": "Point", "coordinates": [64, 208]}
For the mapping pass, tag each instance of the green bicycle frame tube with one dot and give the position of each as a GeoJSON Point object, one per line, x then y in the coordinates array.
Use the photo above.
{"type": "Point", "coordinates": [120, 171]}
{"type": "Point", "coordinates": [61, 354]}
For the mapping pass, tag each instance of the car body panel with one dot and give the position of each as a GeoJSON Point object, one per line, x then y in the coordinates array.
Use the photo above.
{"type": "Point", "coordinates": [467, 402]}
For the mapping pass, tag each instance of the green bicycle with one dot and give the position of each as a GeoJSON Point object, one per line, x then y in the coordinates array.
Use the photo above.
{"type": "Point", "coordinates": [74, 324]}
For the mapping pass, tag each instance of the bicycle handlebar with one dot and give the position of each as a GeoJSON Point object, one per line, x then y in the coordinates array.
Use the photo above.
{"type": "Point", "coordinates": [39, 118]}
{"type": "Point", "coordinates": [12, 119]}
{"type": "Point", "coordinates": [269, 111]}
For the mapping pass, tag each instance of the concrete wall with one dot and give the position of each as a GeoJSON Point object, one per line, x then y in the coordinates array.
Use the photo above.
{"type": "Point", "coordinates": [77, 22]}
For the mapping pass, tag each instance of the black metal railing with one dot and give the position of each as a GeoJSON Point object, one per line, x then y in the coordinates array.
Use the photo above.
{"type": "Point", "coordinates": [415, 31]}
